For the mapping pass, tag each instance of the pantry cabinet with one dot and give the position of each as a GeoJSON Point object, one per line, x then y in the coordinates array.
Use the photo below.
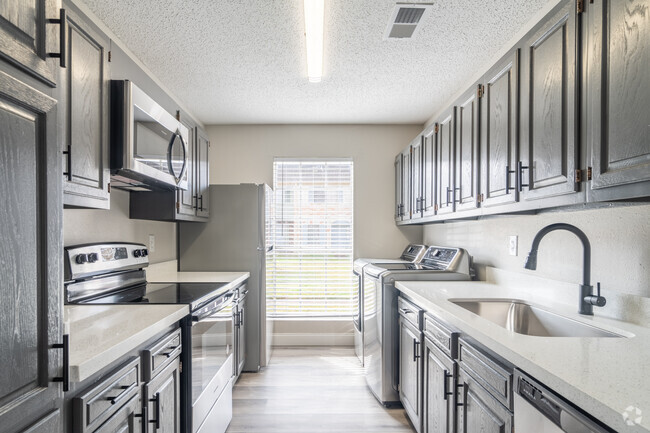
{"type": "Point", "coordinates": [618, 98]}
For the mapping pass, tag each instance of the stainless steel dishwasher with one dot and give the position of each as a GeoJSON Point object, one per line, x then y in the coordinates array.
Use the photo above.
{"type": "Point", "coordinates": [538, 409]}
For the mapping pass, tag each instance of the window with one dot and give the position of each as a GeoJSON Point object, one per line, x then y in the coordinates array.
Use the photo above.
{"type": "Point", "coordinates": [312, 265]}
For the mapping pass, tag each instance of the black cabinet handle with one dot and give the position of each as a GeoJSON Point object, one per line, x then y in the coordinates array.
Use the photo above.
{"type": "Point", "coordinates": [65, 378]}
{"type": "Point", "coordinates": [61, 21]}
{"type": "Point", "coordinates": [195, 197]}
{"type": "Point", "coordinates": [446, 391]}
{"type": "Point", "coordinates": [520, 175]}
{"type": "Point", "coordinates": [416, 355]}
{"type": "Point", "coordinates": [201, 200]}
{"type": "Point", "coordinates": [461, 403]}
{"type": "Point", "coordinates": [144, 416]}
{"type": "Point", "coordinates": [124, 393]}
{"type": "Point", "coordinates": [241, 318]}
{"type": "Point", "coordinates": [156, 401]}
{"type": "Point", "coordinates": [448, 192]}
{"type": "Point", "coordinates": [508, 173]}
{"type": "Point", "coordinates": [68, 155]}
{"type": "Point", "coordinates": [457, 200]}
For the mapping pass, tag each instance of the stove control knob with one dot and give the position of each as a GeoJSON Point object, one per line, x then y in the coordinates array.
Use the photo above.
{"type": "Point", "coordinates": [81, 259]}
{"type": "Point", "coordinates": [92, 257]}
{"type": "Point", "coordinates": [137, 253]}
{"type": "Point", "coordinates": [144, 252]}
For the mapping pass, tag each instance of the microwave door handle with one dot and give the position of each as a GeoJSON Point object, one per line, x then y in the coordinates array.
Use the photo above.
{"type": "Point", "coordinates": [169, 157]}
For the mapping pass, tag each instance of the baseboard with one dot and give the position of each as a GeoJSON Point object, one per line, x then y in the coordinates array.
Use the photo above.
{"type": "Point", "coordinates": [313, 339]}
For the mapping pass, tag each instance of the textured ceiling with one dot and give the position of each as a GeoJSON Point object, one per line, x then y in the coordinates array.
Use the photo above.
{"type": "Point", "coordinates": [244, 61]}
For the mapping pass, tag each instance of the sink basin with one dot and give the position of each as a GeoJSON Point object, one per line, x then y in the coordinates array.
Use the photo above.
{"type": "Point", "coordinates": [523, 318]}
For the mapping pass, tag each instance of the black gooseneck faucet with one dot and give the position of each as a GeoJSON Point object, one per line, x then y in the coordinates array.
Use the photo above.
{"type": "Point", "coordinates": [587, 298]}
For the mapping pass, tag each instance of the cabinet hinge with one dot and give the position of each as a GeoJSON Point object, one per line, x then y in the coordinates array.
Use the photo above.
{"type": "Point", "coordinates": [178, 206]}
{"type": "Point", "coordinates": [578, 175]}
{"type": "Point", "coordinates": [479, 198]}
{"type": "Point", "coordinates": [480, 91]}
{"type": "Point", "coordinates": [436, 207]}
{"type": "Point", "coordinates": [110, 56]}
{"type": "Point", "coordinates": [180, 367]}
{"type": "Point", "coordinates": [580, 6]}
{"type": "Point", "coordinates": [178, 115]}
{"type": "Point", "coordinates": [109, 187]}
{"type": "Point", "coordinates": [436, 128]}
{"type": "Point", "coordinates": [589, 173]}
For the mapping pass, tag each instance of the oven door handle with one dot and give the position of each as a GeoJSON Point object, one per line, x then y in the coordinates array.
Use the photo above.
{"type": "Point", "coordinates": [204, 314]}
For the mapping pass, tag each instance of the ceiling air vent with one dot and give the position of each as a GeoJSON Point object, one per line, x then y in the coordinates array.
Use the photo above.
{"type": "Point", "coordinates": [405, 19]}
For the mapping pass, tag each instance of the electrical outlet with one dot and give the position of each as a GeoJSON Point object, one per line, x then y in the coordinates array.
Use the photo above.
{"type": "Point", "coordinates": [152, 243]}
{"type": "Point", "coordinates": [512, 245]}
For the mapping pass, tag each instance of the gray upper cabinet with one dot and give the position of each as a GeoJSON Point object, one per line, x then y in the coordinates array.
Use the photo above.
{"type": "Point", "coordinates": [406, 184]}
{"type": "Point", "coordinates": [202, 174]}
{"type": "Point", "coordinates": [429, 172]}
{"type": "Point", "coordinates": [416, 177]}
{"type": "Point", "coordinates": [399, 203]}
{"type": "Point", "coordinates": [548, 135]}
{"type": "Point", "coordinates": [499, 132]}
{"type": "Point", "coordinates": [186, 199]}
{"type": "Point", "coordinates": [618, 98]}
{"type": "Point", "coordinates": [26, 38]}
{"type": "Point", "coordinates": [468, 113]}
{"type": "Point", "coordinates": [30, 275]}
{"type": "Point", "coordinates": [83, 117]}
{"type": "Point", "coordinates": [446, 157]}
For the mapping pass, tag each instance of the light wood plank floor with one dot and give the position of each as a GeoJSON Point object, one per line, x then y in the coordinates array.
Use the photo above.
{"type": "Point", "coordinates": [306, 390]}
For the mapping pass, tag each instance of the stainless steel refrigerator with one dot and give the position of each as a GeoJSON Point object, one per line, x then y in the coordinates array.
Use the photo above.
{"type": "Point", "coordinates": [239, 236]}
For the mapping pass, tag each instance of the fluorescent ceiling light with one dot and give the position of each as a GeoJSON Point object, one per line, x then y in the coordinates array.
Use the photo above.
{"type": "Point", "coordinates": [314, 18]}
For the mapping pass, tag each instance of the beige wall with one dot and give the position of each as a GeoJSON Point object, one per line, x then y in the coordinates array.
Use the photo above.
{"type": "Point", "coordinates": [619, 237]}
{"type": "Point", "coordinates": [91, 225]}
{"type": "Point", "coordinates": [244, 154]}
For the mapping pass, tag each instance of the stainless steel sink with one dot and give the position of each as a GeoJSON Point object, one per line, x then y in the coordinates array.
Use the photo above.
{"type": "Point", "coordinates": [523, 318]}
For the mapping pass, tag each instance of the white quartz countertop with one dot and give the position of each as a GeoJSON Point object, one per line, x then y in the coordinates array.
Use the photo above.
{"type": "Point", "coordinates": [102, 334]}
{"type": "Point", "coordinates": [166, 272]}
{"type": "Point", "coordinates": [603, 376]}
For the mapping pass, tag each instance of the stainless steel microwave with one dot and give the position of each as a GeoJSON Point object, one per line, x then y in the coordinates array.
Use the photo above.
{"type": "Point", "coordinates": [148, 145]}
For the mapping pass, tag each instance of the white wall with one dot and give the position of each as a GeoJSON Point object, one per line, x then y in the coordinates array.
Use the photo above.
{"type": "Point", "coordinates": [619, 238]}
{"type": "Point", "coordinates": [93, 225]}
{"type": "Point", "coordinates": [244, 154]}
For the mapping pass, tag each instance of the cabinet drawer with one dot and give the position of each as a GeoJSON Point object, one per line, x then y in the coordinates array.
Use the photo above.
{"type": "Point", "coordinates": [495, 378]}
{"type": "Point", "coordinates": [97, 405]}
{"type": "Point", "coordinates": [156, 357]}
{"type": "Point", "coordinates": [441, 335]}
{"type": "Point", "coordinates": [410, 312]}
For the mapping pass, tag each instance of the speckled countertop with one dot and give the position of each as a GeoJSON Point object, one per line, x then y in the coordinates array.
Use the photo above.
{"type": "Point", "coordinates": [603, 376]}
{"type": "Point", "coordinates": [102, 334]}
{"type": "Point", "coordinates": [166, 272]}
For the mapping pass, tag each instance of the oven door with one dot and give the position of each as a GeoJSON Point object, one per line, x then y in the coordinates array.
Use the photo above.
{"type": "Point", "coordinates": [211, 358]}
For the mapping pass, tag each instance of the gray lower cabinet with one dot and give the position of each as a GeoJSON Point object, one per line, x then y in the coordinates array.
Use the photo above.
{"type": "Point", "coordinates": [478, 410]}
{"type": "Point", "coordinates": [31, 280]}
{"type": "Point", "coordinates": [618, 98]}
{"type": "Point", "coordinates": [239, 312]}
{"type": "Point", "coordinates": [83, 118]}
{"type": "Point", "coordinates": [127, 419]}
{"type": "Point", "coordinates": [439, 393]}
{"type": "Point", "coordinates": [26, 38]}
{"type": "Point", "coordinates": [163, 396]}
{"type": "Point", "coordinates": [410, 371]}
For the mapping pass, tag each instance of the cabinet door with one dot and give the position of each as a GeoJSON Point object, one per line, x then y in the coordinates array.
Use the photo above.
{"type": "Point", "coordinates": [410, 383]}
{"type": "Point", "coordinates": [163, 397]}
{"type": "Point", "coordinates": [416, 178]}
{"type": "Point", "coordinates": [439, 394]}
{"type": "Point", "coordinates": [83, 117]}
{"type": "Point", "coordinates": [618, 98]}
{"type": "Point", "coordinates": [467, 149]}
{"type": "Point", "coordinates": [202, 174]}
{"type": "Point", "coordinates": [429, 172]}
{"type": "Point", "coordinates": [446, 157]}
{"type": "Point", "coordinates": [187, 200]}
{"type": "Point", "coordinates": [478, 411]}
{"type": "Point", "coordinates": [398, 188]}
{"type": "Point", "coordinates": [26, 38]}
{"type": "Point", "coordinates": [499, 132]}
{"type": "Point", "coordinates": [126, 420]}
{"type": "Point", "coordinates": [30, 275]}
{"type": "Point", "coordinates": [548, 145]}
{"type": "Point", "coordinates": [406, 184]}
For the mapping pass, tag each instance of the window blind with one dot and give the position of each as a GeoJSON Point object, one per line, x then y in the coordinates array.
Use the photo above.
{"type": "Point", "coordinates": [311, 271]}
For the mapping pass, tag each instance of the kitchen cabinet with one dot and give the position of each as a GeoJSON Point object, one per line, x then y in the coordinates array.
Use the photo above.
{"type": "Point", "coordinates": [499, 142]}
{"type": "Point", "coordinates": [181, 205]}
{"type": "Point", "coordinates": [83, 96]}
{"type": "Point", "coordinates": [466, 166]}
{"type": "Point", "coordinates": [163, 396]}
{"type": "Point", "coordinates": [239, 320]}
{"type": "Point", "coordinates": [410, 362]}
{"type": "Point", "coordinates": [479, 411]}
{"type": "Point", "coordinates": [27, 39]}
{"type": "Point", "coordinates": [31, 273]}
{"type": "Point", "coordinates": [416, 177]}
{"type": "Point", "coordinates": [403, 185]}
{"type": "Point", "coordinates": [439, 393]}
{"type": "Point", "coordinates": [446, 147]}
{"type": "Point", "coordinates": [126, 420]}
{"type": "Point", "coordinates": [549, 146]}
{"type": "Point", "coordinates": [398, 188]}
{"type": "Point", "coordinates": [429, 172]}
{"type": "Point", "coordinates": [617, 98]}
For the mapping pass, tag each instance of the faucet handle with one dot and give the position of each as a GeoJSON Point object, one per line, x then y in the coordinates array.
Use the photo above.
{"type": "Point", "coordinates": [598, 301]}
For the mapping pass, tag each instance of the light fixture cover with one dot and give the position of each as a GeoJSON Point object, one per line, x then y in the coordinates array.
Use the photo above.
{"type": "Point", "coordinates": [314, 20]}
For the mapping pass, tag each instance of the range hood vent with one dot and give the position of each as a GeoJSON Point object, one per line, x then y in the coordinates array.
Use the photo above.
{"type": "Point", "coordinates": [405, 20]}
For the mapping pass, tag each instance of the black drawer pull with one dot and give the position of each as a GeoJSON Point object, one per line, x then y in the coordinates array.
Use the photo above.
{"type": "Point", "coordinates": [125, 392]}
{"type": "Point", "coordinates": [446, 391]}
